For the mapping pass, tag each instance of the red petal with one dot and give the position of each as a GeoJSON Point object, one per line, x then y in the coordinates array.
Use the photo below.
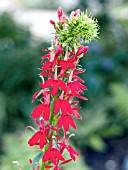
{"type": "Point", "coordinates": [46, 56]}
{"type": "Point", "coordinates": [72, 122]}
{"type": "Point", "coordinates": [35, 95]}
{"type": "Point", "coordinates": [60, 121]}
{"type": "Point", "coordinates": [76, 114]}
{"type": "Point", "coordinates": [63, 108]}
{"type": "Point", "coordinates": [63, 64]}
{"type": "Point", "coordinates": [58, 154]}
{"type": "Point", "coordinates": [65, 105]}
{"type": "Point", "coordinates": [81, 97]}
{"type": "Point", "coordinates": [62, 85]}
{"type": "Point", "coordinates": [73, 151]}
{"type": "Point", "coordinates": [75, 102]}
{"type": "Point", "coordinates": [47, 65]}
{"type": "Point", "coordinates": [80, 85]}
{"type": "Point", "coordinates": [42, 140]}
{"type": "Point", "coordinates": [46, 156]}
{"type": "Point", "coordinates": [53, 159]}
{"type": "Point", "coordinates": [73, 90]}
{"type": "Point", "coordinates": [55, 87]}
{"type": "Point", "coordinates": [79, 71]}
{"type": "Point", "coordinates": [66, 161]}
{"type": "Point", "coordinates": [46, 113]}
{"type": "Point", "coordinates": [81, 50]}
{"type": "Point", "coordinates": [37, 111]}
{"type": "Point", "coordinates": [56, 106]}
{"type": "Point", "coordinates": [78, 78]}
{"type": "Point", "coordinates": [71, 65]}
{"type": "Point", "coordinates": [78, 89]}
{"type": "Point", "coordinates": [46, 50]}
{"type": "Point", "coordinates": [48, 83]}
{"type": "Point", "coordinates": [66, 123]}
{"type": "Point", "coordinates": [34, 139]}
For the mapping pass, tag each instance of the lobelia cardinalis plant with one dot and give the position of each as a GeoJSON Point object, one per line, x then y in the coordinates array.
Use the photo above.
{"type": "Point", "coordinates": [60, 84]}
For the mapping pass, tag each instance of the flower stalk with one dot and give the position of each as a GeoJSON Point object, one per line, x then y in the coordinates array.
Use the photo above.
{"type": "Point", "coordinates": [60, 85]}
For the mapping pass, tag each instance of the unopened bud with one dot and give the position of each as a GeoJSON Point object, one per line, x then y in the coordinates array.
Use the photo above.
{"type": "Point", "coordinates": [52, 22]}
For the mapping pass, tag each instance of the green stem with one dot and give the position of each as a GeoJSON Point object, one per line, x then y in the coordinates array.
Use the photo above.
{"type": "Point", "coordinates": [42, 168]}
{"type": "Point", "coordinates": [52, 113]}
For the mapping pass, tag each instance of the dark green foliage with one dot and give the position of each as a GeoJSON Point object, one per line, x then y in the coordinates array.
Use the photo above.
{"type": "Point", "coordinates": [19, 62]}
{"type": "Point", "coordinates": [12, 33]}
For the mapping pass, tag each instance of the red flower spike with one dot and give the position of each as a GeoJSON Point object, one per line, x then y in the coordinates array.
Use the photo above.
{"type": "Point", "coordinates": [58, 89]}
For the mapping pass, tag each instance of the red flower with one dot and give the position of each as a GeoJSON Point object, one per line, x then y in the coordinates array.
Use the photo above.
{"type": "Point", "coordinates": [53, 56]}
{"type": "Point", "coordinates": [55, 85]}
{"type": "Point", "coordinates": [72, 152]}
{"type": "Point", "coordinates": [41, 110]}
{"type": "Point", "coordinates": [76, 87]}
{"type": "Point", "coordinates": [53, 155]}
{"type": "Point", "coordinates": [66, 120]}
{"type": "Point", "coordinates": [39, 138]}
{"type": "Point", "coordinates": [63, 105]}
{"type": "Point", "coordinates": [66, 108]}
{"type": "Point", "coordinates": [81, 50]}
{"type": "Point", "coordinates": [67, 64]}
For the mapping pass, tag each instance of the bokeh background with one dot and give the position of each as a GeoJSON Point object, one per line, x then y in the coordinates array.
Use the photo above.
{"type": "Point", "coordinates": [102, 136]}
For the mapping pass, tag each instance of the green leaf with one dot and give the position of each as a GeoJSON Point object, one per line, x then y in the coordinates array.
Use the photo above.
{"type": "Point", "coordinates": [96, 143]}
{"type": "Point", "coordinates": [112, 131]}
{"type": "Point", "coordinates": [35, 160]}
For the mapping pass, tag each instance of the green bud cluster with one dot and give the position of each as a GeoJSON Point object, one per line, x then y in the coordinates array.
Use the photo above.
{"type": "Point", "coordinates": [82, 28]}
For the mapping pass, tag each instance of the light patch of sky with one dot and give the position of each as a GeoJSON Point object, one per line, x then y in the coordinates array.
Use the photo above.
{"type": "Point", "coordinates": [69, 4]}
{"type": "Point", "coordinates": [38, 20]}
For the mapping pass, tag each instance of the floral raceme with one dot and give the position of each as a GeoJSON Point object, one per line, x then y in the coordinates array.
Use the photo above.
{"type": "Point", "coordinates": [55, 113]}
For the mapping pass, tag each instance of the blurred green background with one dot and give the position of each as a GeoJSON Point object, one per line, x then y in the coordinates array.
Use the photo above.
{"type": "Point", "coordinates": [105, 114]}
